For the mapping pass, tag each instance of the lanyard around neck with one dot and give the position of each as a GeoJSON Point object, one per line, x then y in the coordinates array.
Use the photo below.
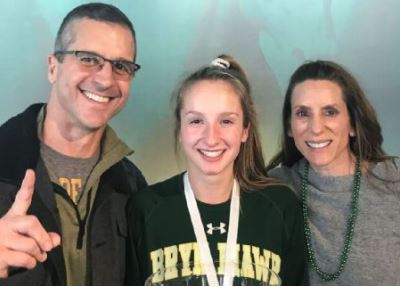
{"type": "Point", "coordinates": [204, 248]}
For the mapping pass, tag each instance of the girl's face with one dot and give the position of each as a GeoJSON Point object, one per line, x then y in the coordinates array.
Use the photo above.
{"type": "Point", "coordinates": [320, 126]}
{"type": "Point", "coordinates": [211, 130]}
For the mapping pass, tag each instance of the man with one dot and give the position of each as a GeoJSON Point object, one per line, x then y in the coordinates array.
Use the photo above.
{"type": "Point", "coordinates": [83, 179]}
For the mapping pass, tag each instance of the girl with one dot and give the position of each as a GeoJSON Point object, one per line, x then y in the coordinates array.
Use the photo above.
{"type": "Point", "coordinates": [223, 217]}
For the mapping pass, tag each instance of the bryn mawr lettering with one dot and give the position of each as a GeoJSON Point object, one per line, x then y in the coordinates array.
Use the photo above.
{"type": "Point", "coordinates": [184, 260]}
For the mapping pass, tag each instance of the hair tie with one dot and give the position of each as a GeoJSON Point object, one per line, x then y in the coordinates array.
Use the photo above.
{"type": "Point", "coordinates": [224, 64]}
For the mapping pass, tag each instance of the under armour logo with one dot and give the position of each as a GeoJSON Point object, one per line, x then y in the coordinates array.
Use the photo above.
{"type": "Point", "coordinates": [221, 228]}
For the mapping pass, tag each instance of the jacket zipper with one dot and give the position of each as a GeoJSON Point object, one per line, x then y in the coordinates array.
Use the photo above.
{"type": "Point", "coordinates": [81, 222]}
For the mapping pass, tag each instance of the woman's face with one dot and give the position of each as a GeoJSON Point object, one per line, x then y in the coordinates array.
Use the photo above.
{"type": "Point", "coordinates": [320, 126]}
{"type": "Point", "coordinates": [211, 130]}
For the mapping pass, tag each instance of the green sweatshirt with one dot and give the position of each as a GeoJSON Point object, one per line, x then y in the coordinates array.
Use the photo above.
{"type": "Point", "coordinates": [161, 234]}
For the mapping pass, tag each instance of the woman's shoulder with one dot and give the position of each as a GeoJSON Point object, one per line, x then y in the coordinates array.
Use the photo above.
{"type": "Point", "coordinates": [281, 172]}
{"type": "Point", "coordinates": [290, 175]}
{"type": "Point", "coordinates": [386, 174]}
{"type": "Point", "coordinates": [390, 167]}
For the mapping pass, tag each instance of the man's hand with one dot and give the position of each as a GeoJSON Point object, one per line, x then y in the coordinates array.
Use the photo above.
{"type": "Point", "coordinates": [23, 240]}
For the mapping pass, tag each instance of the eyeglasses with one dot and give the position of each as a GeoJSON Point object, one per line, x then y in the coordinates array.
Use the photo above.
{"type": "Point", "coordinates": [122, 69]}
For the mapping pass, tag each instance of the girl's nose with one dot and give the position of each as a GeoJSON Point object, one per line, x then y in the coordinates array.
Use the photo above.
{"type": "Point", "coordinates": [212, 135]}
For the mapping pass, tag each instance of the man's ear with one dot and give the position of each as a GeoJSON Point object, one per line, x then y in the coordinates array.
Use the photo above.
{"type": "Point", "coordinates": [52, 68]}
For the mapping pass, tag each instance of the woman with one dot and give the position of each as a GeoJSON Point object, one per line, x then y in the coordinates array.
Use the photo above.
{"type": "Point", "coordinates": [350, 189]}
{"type": "Point", "coordinates": [224, 209]}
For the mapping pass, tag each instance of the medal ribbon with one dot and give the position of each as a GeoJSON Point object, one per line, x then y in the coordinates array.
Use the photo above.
{"type": "Point", "coordinates": [202, 243]}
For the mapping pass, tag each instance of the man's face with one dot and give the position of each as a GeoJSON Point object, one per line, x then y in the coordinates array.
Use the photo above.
{"type": "Point", "coordinates": [88, 98]}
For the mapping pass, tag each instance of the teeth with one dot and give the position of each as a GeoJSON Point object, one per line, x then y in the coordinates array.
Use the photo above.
{"type": "Point", "coordinates": [96, 98]}
{"type": "Point", "coordinates": [211, 153]}
{"type": "Point", "coordinates": [318, 144]}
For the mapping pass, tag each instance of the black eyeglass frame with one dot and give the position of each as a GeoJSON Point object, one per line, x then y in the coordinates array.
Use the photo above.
{"type": "Point", "coordinates": [135, 66]}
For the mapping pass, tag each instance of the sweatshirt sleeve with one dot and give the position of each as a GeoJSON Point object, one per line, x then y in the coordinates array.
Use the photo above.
{"type": "Point", "coordinates": [295, 256]}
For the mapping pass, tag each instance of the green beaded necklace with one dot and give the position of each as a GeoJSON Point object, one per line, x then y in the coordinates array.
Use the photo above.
{"type": "Point", "coordinates": [350, 223]}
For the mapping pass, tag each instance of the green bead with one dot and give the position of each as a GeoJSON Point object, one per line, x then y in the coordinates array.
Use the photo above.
{"type": "Point", "coordinates": [350, 223]}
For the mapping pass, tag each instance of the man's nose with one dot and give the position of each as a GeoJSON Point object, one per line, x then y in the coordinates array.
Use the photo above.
{"type": "Point", "coordinates": [104, 77]}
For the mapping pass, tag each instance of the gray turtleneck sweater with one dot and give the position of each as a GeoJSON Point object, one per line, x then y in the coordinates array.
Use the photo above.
{"type": "Point", "coordinates": [374, 257]}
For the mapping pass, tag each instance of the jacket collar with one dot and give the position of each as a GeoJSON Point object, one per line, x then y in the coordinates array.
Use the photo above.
{"type": "Point", "coordinates": [19, 144]}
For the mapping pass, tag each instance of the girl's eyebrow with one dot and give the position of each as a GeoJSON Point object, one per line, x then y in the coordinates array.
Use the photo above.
{"type": "Point", "coordinates": [222, 114]}
{"type": "Point", "coordinates": [192, 112]}
{"type": "Point", "coordinates": [230, 114]}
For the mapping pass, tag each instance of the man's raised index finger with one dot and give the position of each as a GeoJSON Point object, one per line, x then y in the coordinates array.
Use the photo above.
{"type": "Point", "coordinates": [23, 198]}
